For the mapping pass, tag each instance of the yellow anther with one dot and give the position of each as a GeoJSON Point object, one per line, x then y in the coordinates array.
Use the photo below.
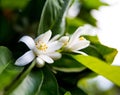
{"type": "Point", "coordinates": [81, 38]}
{"type": "Point", "coordinates": [41, 46]}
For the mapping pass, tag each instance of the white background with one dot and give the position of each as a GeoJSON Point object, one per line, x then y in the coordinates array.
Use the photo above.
{"type": "Point", "coordinates": [109, 24]}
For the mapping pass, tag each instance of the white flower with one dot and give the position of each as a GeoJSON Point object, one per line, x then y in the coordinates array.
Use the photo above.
{"type": "Point", "coordinates": [75, 43]}
{"type": "Point", "coordinates": [42, 48]}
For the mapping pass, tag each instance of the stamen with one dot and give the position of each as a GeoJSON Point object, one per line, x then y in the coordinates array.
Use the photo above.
{"type": "Point", "coordinates": [81, 38]}
{"type": "Point", "coordinates": [41, 46]}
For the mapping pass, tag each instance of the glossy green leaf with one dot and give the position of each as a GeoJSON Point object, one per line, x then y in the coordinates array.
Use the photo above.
{"type": "Point", "coordinates": [13, 3]}
{"type": "Point", "coordinates": [31, 84]}
{"type": "Point", "coordinates": [100, 67]}
{"type": "Point", "coordinates": [53, 16]}
{"type": "Point", "coordinates": [67, 64]}
{"type": "Point", "coordinates": [49, 86]}
{"type": "Point", "coordinates": [8, 71]}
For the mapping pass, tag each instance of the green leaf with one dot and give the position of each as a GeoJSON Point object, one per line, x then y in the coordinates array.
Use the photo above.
{"type": "Point", "coordinates": [20, 78]}
{"type": "Point", "coordinates": [86, 16]}
{"type": "Point", "coordinates": [53, 16]}
{"type": "Point", "coordinates": [92, 4]}
{"type": "Point", "coordinates": [67, 93]}
{"type": "Point", "coordinates": [31, 84]}
{"type": "Point", "coordinates": [5, 58]}
{"type": "Point", "coordinates": [13, 3]}
{"type": "Point", "coordinates": [49, 86]}
{"type": "Point", "coordinates": [67, 64]}
{"type": "Point", "coordinates": [73, 24]}
{"type": "Point", "coordinates": [100, 67]}
{"type": "Point", "coordinates": [8, 71]}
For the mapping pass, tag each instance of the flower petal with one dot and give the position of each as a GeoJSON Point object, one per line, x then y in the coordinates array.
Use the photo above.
{"type": "Point", "coordinates": [80, 52]}
{"type": "Point", "coordinates": [46, 58]}
{"type": "Point", "coordinates": [55, 55]}
{"type": "Point", "coordinates": [75, 35]}
{"type": "Point", "coordinates": [28, 41]}
{"type": "Point", "coordinates": [40, 62]}
{"type": "Point", "coordinates": [80, 45]}
{"type": "Point", "coordinates": [55, 38]}
{"type": "Point", "coordinates": [44, 37]}
{"type": "Point", "coordinates": [53, 46]}
{"type": "Point", "coordinates": [64, 39]}
{"type": "Point", "coordinates": [25, 59]}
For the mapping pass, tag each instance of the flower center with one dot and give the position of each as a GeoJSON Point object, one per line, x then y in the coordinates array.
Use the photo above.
{"type": "Point", "coordinates": [41, 46]}
{"type": "Point", "coordinates": [81, 38]}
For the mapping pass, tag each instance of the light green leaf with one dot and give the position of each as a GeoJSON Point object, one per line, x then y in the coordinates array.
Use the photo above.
{"type": "Point", "coordinates": [8, 71]}
{"type": "Point", "coordinates": [49, 86]}
{"type": "Point", "coordinates": [13, 3]}
{"type": "Point", "coordinates": [100, 67]}
{"type": "Point", "coordinates": [67, 93]}
{"type": "Point", "coordinates": [53, 16]}
{"type": "Point", "coordinates": [92, 4]}
{"type": "Point", "coordinates": [67, 64]}
{"type": "Point", "coordinates": [31, 84]}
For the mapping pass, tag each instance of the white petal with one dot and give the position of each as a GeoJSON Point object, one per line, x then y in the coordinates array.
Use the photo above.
{"type": "Point", "coordinates": [64, 39]}
{"type": "Point", "coordinates": [56, 45]}
{"type": "Point", "coordinates": [25, 59]}
{"type": "Point", "coordinates": [80, 45]}
{"type": "Point", "coordinates": [55, 55]}
{"type": "Point", "coordinates": [55, 38]}
{"type": "Point", "coordinates": [44, 37]}
{"type": "Point", "coordinates": [46, 58]}
{"type": "Point", "coordinates": [40, 62]}
{"type": "Point", "coordinates": [28, 41]}
{"type": "Point", "coordinates": [75, 35]}
{"type": "Point", "coordinates": [80, 52]}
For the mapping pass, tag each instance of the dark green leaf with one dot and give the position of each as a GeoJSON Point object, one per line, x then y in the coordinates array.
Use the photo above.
{"type": "Point", "coordinates": [8, 71]}
{"type": "Point", "coordinates": [21, 78]}
{"type": "Point", "coordinates": [67, 64]}
{"type": "Point", "coordinates": [86, 16]}
{"type": "Point", "coordinates": [76, 91]}
{"type": "Point", "coordinates": [73, 24]}
{"type": "Point", "coordinates": [53, 16]}
{"type": "Point", "coordinates": [31, 84]}
{"type": "Point", "coordinates": [49, 86]}
{"type": "Point", "coordinates": [5, 58]}
{"type": "Point", "coordinates": [100, 67]}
